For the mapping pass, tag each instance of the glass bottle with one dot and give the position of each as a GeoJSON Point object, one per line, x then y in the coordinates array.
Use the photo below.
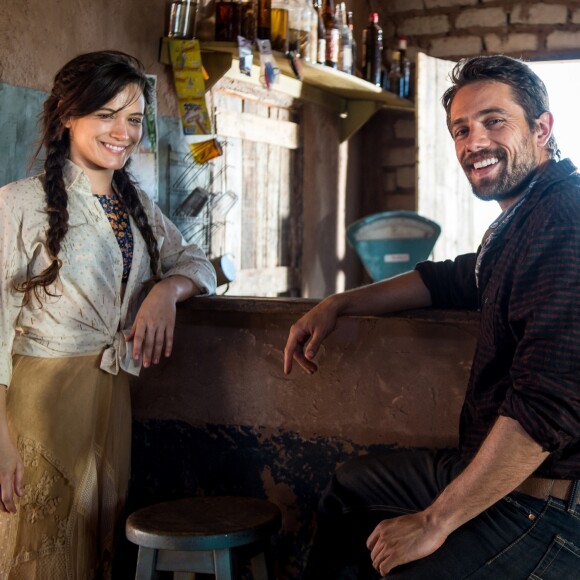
{"type": "Point", "coordinates": [332, 35]}
{"type": "Point", "coordinates": [279, 31]}
{"type": "Point", "coordinates": [264, 20]}
{"type": "Point", "coordinates": [310, 20]}
{"type": "Point", "coordinates": [395, 76]}
{"type": "Point", "coordinates": [345, 47]}
{"type": "Point", "coordinates": [180, 18]}
{"type": "Point", "coordinates": [321, 45]}
{"type": "Point", "coordinates": [225, 20]}
{"type": "Point", "coordinates": [372, 47]}
{"type": "Point", "coordinates": [298, 28]}
{"type": "Point", "coordinates": [405, 82]}
{"type": "Point", "coordinates": [353, 43]}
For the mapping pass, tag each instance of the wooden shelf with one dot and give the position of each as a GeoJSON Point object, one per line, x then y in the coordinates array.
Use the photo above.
{"type": "Point", "coordinates": [353, 99]}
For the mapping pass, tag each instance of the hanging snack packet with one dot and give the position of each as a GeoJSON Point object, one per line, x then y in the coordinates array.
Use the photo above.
{"type": "Point", "coordinates": [245, 54]}
{"type": "Point", "coordinates": [188, 77]}
{"type": "Point", "coordinates": [269, 71]}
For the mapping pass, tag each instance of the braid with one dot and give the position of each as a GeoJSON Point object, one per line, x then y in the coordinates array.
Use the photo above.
{"type": "Point", "coordinates": [128, 192]}
{"type": "Point", "coordinates": [56, 206]}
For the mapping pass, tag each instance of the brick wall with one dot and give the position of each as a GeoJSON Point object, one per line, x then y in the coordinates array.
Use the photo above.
{"type": "Point", "coordinates": [456, 28]}
{"type": "Point", "coordinates": [452, 29]}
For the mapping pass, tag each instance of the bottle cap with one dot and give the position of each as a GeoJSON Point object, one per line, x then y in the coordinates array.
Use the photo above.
{"type": "Point", "coordinates": [402, 43]}
{"type": "Point", "coordinates": [374, 17]}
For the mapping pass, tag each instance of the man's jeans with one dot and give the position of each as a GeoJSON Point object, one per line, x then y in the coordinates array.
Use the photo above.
{"type": "Point", "coordinates": [519, 537]}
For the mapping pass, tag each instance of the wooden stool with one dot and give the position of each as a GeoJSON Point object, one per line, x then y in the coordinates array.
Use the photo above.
{"type": "Point", "coordinates": [203, 535]}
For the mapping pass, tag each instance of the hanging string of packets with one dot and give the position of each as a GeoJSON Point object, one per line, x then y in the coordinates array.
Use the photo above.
{"type": "Point", "coordinates": [189, 79]}
{"type": "Point", "coordinates": [269, 70]}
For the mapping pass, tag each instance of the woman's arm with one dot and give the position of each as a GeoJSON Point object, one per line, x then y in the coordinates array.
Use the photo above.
{"type": "Point", "coordinates": [11, 466]}
{"type": "Point", "coordinates": [152, 330]}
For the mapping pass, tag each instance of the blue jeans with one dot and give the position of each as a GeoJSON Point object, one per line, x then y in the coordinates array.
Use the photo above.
{"type": "Point", "coordinates": [518, 538]}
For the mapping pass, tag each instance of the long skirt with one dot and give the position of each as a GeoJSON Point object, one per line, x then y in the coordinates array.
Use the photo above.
{"type": "Point", "coordinates": [72, 425]}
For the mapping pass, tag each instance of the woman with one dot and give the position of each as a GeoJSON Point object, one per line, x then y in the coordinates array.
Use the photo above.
{"type": "Point", "coordinates": [91, 273]}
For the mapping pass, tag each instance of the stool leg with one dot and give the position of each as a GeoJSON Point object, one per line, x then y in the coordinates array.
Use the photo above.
{"type": "Point", "coordinates": [223, 564]}
{"type": "Point", "coordinates": [263, 565]}
{"type": "Point", "coordinates": [146, 564]}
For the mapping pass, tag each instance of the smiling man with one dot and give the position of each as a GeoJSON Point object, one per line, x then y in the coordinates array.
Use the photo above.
{"type": "Point", "coordinates": [505, 505]}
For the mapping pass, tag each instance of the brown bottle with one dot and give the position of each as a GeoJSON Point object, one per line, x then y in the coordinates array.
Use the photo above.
{"type": "Point", "coordinates": [332, 35]}
{"type": "Point", "coordinates": [264, 19]}
{"type": "Point", "coordinates": [372, 50]}
{"type": "Point", "coordinates": [321, 46]}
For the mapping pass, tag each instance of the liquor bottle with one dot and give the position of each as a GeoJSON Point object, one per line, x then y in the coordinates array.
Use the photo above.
{"type": "Point", "coordinates": [300, 28]}
{"type": "Point", "coordinates": [405, 64]}
{"type": "Point", "coordinates": [395, 77]}
{"type": "Point", "coordinates": [353, 44]}
{"type": "Point", "coordinates": [280, 17]}
{"type": "Point", "coordinates": [225, 21]}
{"type": "Point", "coordinates": [310, 17]}
{"type": "Point", "coordinates": [332, 35]}
{"type": "Point", "coordinates": [372, 42]}
{"type": "Point", "coordinates": [264, 19]}
{"type": "Point", "coordinates": [321, 46]}
{"type": "Point", "coordinates": [345, 47]}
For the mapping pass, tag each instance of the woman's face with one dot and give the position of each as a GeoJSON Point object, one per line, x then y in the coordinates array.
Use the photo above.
{"type": "Point", "coordinates": [106, 138]}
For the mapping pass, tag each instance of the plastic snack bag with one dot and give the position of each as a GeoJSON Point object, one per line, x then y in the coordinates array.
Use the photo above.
{"type": "Point", "coordinates": [245, 54]}
{"type": "Point", "coordinates": [269, 71]}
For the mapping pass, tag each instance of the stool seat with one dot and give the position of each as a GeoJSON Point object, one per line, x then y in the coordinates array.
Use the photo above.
{"type": "Point", "coordinates": [207, 527]}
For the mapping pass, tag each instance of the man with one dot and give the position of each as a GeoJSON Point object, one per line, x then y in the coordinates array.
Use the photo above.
{"type": "Point", "coordinates": [506, 505]}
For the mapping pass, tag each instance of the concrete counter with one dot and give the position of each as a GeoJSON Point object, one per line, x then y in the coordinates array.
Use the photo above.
{"type": "Point", "coordinates": [220, 416]}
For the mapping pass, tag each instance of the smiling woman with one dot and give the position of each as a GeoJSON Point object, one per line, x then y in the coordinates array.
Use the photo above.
{"type": "Point", "coordinates": [105, 139]}
{"type": "Point", "coordinates": [92, 271]}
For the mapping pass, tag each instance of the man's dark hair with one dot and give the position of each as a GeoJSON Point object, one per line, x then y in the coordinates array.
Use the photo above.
{"type": "Point", "coordinates": [528, 89]}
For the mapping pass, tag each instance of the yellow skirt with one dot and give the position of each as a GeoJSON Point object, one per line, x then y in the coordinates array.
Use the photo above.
{"type": "Point", "coordinates": [72, 424]}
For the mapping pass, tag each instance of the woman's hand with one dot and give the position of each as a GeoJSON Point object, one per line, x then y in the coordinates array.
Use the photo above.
{"type": "Point", "coordinates": [11, 466]}
{"type": "Point", "coordinates": [152, 331]}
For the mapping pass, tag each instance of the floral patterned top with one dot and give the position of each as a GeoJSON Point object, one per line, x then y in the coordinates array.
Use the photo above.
{"type": "Point", "coordinates": [119, 220]}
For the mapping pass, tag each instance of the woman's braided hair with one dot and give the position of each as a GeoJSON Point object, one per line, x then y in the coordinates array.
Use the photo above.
{"type": "Point", "coordinates": [82, 86]}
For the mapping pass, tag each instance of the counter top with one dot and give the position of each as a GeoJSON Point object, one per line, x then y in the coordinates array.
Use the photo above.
{"type": "Point", "coordinates": [298, 306]}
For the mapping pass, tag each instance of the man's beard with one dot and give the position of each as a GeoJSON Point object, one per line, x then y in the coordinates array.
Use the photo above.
{"type": "Point", "coordinates": [510, 181]}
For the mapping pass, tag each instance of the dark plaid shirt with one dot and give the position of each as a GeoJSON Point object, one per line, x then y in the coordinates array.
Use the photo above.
{"type": "Point", "coordinates": [527, 360]}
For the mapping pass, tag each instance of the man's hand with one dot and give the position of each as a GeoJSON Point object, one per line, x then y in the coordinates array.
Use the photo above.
{"type": "Point", "coordinates": [306, 336]}
{"type": "Point", "coordinates": [11, 472]}
{"type": "Point", "coordinates": [404, 539]}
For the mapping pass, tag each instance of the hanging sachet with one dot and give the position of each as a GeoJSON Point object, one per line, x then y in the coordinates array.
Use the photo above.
{"type": "Point", "coordinates": [269, 71]}
{"type": "Point", "coordinates": [188, 76]}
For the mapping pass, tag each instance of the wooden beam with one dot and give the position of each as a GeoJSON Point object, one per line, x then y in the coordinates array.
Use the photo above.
{"type": "Point", "coordinates": [258, 129]}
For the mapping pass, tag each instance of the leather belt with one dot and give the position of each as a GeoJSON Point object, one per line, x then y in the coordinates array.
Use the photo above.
{"type": "Point", "coordinates": [542, 488]}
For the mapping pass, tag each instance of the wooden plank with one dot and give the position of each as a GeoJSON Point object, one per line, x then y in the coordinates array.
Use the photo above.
{"type": "Point", "coordinates": [266, 281]}
{"type": "Point", "coordinates": [249, 202]}
{"type": "Point", "coordinates": [256, 128]}
{"type": "Point", "coordinates": [278, 174]}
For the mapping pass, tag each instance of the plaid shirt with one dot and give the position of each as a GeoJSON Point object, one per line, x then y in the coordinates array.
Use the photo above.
{"type": "Point", "coordinates": [527, 360]}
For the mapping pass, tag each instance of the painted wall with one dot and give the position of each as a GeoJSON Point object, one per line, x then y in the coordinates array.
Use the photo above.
{"type": "Point", "coordinates": [220, 417]}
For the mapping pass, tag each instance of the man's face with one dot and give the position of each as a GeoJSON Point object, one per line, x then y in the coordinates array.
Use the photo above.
{"type": "Point", "coordinates": [493, 142]}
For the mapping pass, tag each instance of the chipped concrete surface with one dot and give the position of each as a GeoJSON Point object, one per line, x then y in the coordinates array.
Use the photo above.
{"type": "Point", "coordinates": [220, 417]}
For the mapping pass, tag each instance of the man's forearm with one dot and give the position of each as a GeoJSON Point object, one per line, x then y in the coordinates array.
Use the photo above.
{"type": "Point", "coordinates": [403, 292]}
{"type": "Point", "coordinates": [506, 458]}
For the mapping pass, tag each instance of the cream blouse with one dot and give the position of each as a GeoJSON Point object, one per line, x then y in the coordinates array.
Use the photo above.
{"type": "Point", "coordinates": [87, 314]}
